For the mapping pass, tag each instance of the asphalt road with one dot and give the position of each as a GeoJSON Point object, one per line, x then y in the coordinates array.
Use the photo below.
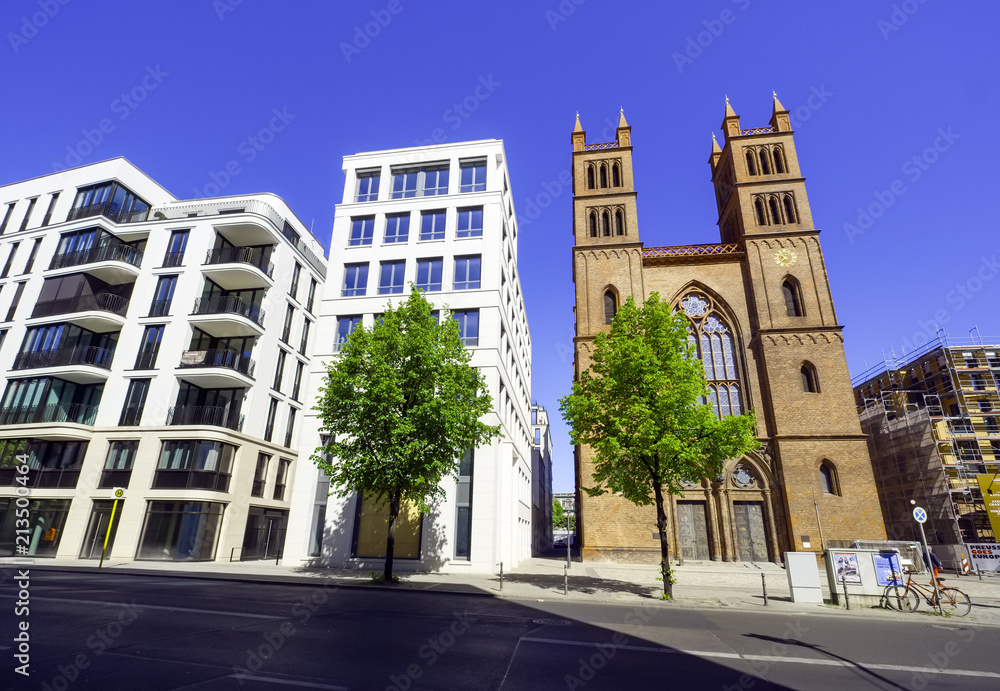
{"type": "Point", "coordinates": [114, 631]}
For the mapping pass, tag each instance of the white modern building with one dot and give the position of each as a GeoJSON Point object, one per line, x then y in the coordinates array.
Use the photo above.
{"type": "Point", "coordinates": [156, 345]}
{"type": "Point", "coordinates": [440, 217]}
{"type": "Point", "coordinates": [541, 480]}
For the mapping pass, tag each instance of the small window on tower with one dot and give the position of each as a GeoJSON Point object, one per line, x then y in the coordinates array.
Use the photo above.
{"type": "Point", "coordinates": [758, 206]}
{"type": "Point", "coordinates": [590, 177]}
{"type": "Point", "coordinates": [793, 301]}
{"type": "Point", "coordinates": [593, 224]}
{"type": "Point", "coordinates": [606, 224]}
{"type": "Point", "coordinates": [765, 167]}
{"type": "Point", "coordinates": [604, 175]}
{"type": "Point", "coordinates": [789, 209]}
{"type": "Point", "coordinates": [619, 222]}
{"type": "Point", "coordinates": [610, 306]}
{"type": "Point", "coordinates": [751, 163]}
{"type": "Point", "coordinates": [775, 211]}
{"type": "Point", "coordinates": [779, 162]}
{"type": "Point", "coordinates": [616, 175]}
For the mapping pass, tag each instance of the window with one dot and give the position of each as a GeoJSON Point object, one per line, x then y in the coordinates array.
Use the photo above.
{"type": "Point", "coordinates": [6, 217]}
{"type": "Point", "coordinates": [793, 301]}
{"type": "Point", "coordinates": [473, 176]}
{"type": "Point", "coordinates": [619, 222]}
{"type": "Point", "coordinates": [713, 339]}
{"type": "Point", "coordinates": [610, 306]}
{"type": "Point", "coordinates": [279, 371]}
{"type": "Point", "coordinates": [606, 224]}
{"type": "Point", "coordinates": [174, 256]}
{"type": "Point", "coordinates": [828, 478]}
{"type": "Point", "coordinates": [432, 225]}
{"type": "Point", "coordinates": [779, 160]}
{"type": "Point", "coordinates": [435, 181]}
{"type": "Point", "coordinates": [180, 531]}
{"type": "Point", "coordinates": [260, 475]}
{"type": "Point", "coordinates": [282, 477]}
{"type": "Point", "coordinates": [751, 162]}
{"type": "Point", "coordinates": [31, 256]}
{"type": "Point", "coordinates": [463, 522]}
{"type": "Point", "coordinates": [758, 207]}
{"type": "Point", "coordinates": [368, 182]}
{"type": "Point", "coordinates": [616, 175]}
{"type": "Point", "coordinates": [470, 223]}
{"type": "Point", "coordinates": [48, 212]}
{"type": "Point", "coordinates": [290, 428]}
{"type": "Point", "coordinates": [345, 327]}
{"type": "Point", "coordinates": [164, 294]}
{"type": "Point", "coordinates": [118, 465]}
{"type": "Point", "coordinates": [427, 181]}
{"type": "Point", "coordinates": [789, 209]}
{"type": "Point", "coordinates": [468, 326]}
{"type": "Point", "coordinates": [293, 290]}
{"type": "Point", "coordinates": [304, 341]}
{"type": "Point", "coordinates": [27, 214]}
{"type": "Point", "coordinates": [775, 211]}
{"type": "Point", "coordinates": [765, 166]}
{"type": "Point", "coordinates": [10, 260]}
{"type": "Point", "coordinates": [272, 412]}
{"type": "Point", "coordinates": [467, 272]}
{"type": "Point", "coordinates": [355, 279]}
{"type": "Point", "coordinates": [538, 437]}
{"type": "Point", "coordinates": [297, 383]}
{"type": "Point", "coordinates": [135, 401]}
{"type": "Point", "coordinates": [362, 230]}
{"type": "Point", "coordinates": [52, 463]}
{"type": "Point", "coordinates": [810, 382]}
{"type": "Point", "coordinates": [311, 300]}
{"type": "Point", "coordinates": [590, 177]}
{"type": "Point", "coordinates": [397, 228]}
{"type": "Point", "coordinates": [429, 274]}
{"type": "Point", "coordinates": [391, 278]}
{"type": "Point", "coordinates": [286, 328]}
{"type": "Point", "coordinates": [109, 199]}
{"type": "Point", "coordinates": [150, 347]}
{"type": "Point", "coordinates": [593, 224]}
{"type": "Point", "coordinates": [18, 291]}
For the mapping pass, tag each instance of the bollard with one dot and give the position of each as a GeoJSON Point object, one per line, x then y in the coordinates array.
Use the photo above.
{"type": "Point", "coordinates": [763, 584]}
{"type": "Point", "coordinates": [566, 579]}
{"type": "Point", "coordinates": [501, 577]}
{"type": "Point", "coordinates": [978, 572]}
{"type": "Point", "coordinates": [847, 599]}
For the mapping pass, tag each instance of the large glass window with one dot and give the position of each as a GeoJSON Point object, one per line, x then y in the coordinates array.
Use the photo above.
{"type": "Point", "coordinates": [371, 527]}
{"type": "Point", "coordinates": [49, 399]}
{"type": "Point", "coordinates": [426, 181]}
{"type": "Point", "coordinates": [297, 383]}
{"type": "Point", "coordinates": [51, 463]}
{"type": "Point", "coordinates": [391, 278]}
{"type": "Point", "coordinates": [368, 182]}
{"type": "Point", "coordinates": [468, 326]}
{"type": "Point", "coordinates": [163, 296]}
{"type": "Point", "coordinates": [311, 299]}
{"type": "Point", "coordinates": [286, 328]}
{"type": "Point", "coordinates": [194, 464]}
{"type": "Point", "coordinates": [429, 274]}
{"type": "Point", "coordinates": [45, 521]}
{"type": "Point", "coordinates": [118, 465]}
{"type": "Point", "coordinates": [180, 531]}
{"type": "Point", "coordinates": [355, 279]}
{"type": "Point", "coordinates": [174, 255]}
{"type": "Point", "coordinates": [473, 176]}
{"type": "Point", "coordinates": [110, 199]}
{"type": "Point", "coordinates": [362, 230]}
{"type": "Point", "coordinates": [304, 339]}
{"type": "Point", "coordinates": [716, 348]}
{"type": "Point", "coordinates": [467, 272]}
{"type": "Point", "coordinates": [279, 370]}
{"type": "Point", "coordinates": [281, 479]}
{"type": "Point", "coordinates": [272, 413]}
{"type": "Point", "coordinates": [293, 289]}
{"type": "Point", "coordinates": [260, 475]}
{"type": "Point", "coordinates": [290, 426]}
{"type": "Point", "coordinates": [397, 228]}
{"type": "Point", "coordinates": [470, 222]}
{"type": "Point", "coordinates": [432, 225]}
{"type": "Point", "coordinates": [135, 401]}
{"type": "Point", "coordinates": [345, 327]}
{"type": "Point", "coordinates": [149, 348]}
{"type": "Point", "coordinates": [463, 519]}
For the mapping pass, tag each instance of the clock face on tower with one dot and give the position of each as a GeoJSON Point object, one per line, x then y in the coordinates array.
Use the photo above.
{"type": "Point", "coordinates": [785, 257]}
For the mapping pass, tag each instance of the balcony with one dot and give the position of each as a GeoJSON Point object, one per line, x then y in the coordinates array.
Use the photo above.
{"type": "Point", "coordinates": [116, 262]}
{"type": "Point", "coordinates": [73, 412]}
{"type": "Point", "coordinates": [217, 368]}
{"type": "Point", "coordinates": [222, 316]}
{"type": "Point", "coordinates": [217, 416]}
{"type": "Point", "coordinates": [239, 268]}
{"type": "Point", "coordinates": [84, 364]}
{"type": "Point", "coordinates": [109, 209]}
{"type": "Point", "coordinates": [97, 311]}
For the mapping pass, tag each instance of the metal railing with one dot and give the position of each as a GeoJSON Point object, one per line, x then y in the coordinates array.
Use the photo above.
{"type": "Point", "coordinates": [229, 304]}
{"type": "Point", "coordinates": [102, 302]}
{"type": "Point", "coordinates": [688, 251]}
{"type": "Point", "coordinates": [72, 412]}
{"type": "Point", "coordinates": [102, 253]}
{"type": "Point", "coordinates": [217, 416]}
{"type": "Point", "coordinates": [254, 256]}
{"type": "Point", "coordinates": [57, 357]}
{"type": "Point", "coordinates": [757, 130]}
{"type": "Point", "coordinates": [218, 357]}
{"type": "Point", "coordinates": [602, 145]}
{"type": "Point", "coordinates": [110, 210]}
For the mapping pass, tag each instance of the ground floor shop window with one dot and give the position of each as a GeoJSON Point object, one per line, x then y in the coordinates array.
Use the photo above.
{"type": "Point", "coordinates": [97, 528]}
{"type": "Point", "coordinates": [180, 531]}
{"type": "Point", "coordinates": [265, 534]}
{"type": "Point", "coordinates": [35, 527]}
{"type": "Point", "coordinates": [371, 528]}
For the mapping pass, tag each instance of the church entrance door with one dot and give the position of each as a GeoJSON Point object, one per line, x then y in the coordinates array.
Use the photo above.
{"type": "Point", "coordinates": [693, 529]}
{"type": "Point", "coordinates": [751, 539]}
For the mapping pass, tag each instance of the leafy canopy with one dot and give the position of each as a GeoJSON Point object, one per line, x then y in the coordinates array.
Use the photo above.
{"type": "Point", "coordinates": [400, 406]}
{"type": "Point", "coordinates": [640, 407]}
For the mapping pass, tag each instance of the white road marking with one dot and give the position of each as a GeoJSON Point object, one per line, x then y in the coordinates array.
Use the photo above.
{"type": "Point", "coordinates": [162, 607]}
{"type": "Point", "coordinates": [777, 658]}
{"type": "Point", "coordinates": [289, 682]}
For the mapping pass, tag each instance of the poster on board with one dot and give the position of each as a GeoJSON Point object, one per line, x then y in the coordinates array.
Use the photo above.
{"type": "Point", "coordinates": [845, 565]}
{"type": "Point", "coordinates": [887, 568]}
{"type": "Point", "coordinates": [984, 555]}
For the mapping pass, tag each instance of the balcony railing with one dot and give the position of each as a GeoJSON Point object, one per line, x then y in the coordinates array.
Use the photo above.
{"type": "Point", "coordinates": [101, 302]}
{"type": "Point", "coordinates": [102, 253]}
{"type": "Point", "coordinates": [110, 210]}
{"type": "Point", "coordinates": [217, 416]}
{"type": "Point", "coordinates": [218, 357]}
{"type": "Point", "coordinates": [58, 357]}
{"type": "Point", "coordinates": [253, 256]}
{"type": "Point", "coordinates": [72, 412]}
{"type": "Point", "coordinates": [229, 304]}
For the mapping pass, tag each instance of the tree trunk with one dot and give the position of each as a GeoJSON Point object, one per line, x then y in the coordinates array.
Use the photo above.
{"type": "Point", "coordinates": [661, 524]}
{"type": "Point", "coordinates": [390, 538]}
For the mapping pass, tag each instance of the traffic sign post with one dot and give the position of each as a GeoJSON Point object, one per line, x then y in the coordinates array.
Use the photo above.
{"type": "Point", "coordinates": [119, 494]}
{"type": "Point", "coordinates": [920, 516]}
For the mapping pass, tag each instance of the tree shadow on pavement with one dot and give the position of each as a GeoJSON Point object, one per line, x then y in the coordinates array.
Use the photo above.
{"type": "Point", "coordinates": [582, 584]}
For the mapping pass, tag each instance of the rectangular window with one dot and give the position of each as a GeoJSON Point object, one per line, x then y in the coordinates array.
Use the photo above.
{"type": "Point", "coordinates": [150, 347]}
{"type": "Point", "coordinates": [470, 223]}
{"type": "Point", "coordinates": [355, 279]}
{"type": "Point", "coordinates": [297, 383]}
{"type": "Point", "coordinates": [163, 296]}
{"type": "Point", "coordinates": [286, 329]}
{"type": "Point", "coordinates": [345, 327]}
{"type": "Point", "coordinates": [52, 205]}
{"type": "Point", "coordinates": [174, 255]}
{"type": "Point", "coordinates": [118, 465]}
{"type": "Point", "coordinates": [109, 199]}
{"type": "Point", "coordinates": [429, 274]}
{"type": "Point", "coordinates": [467, 272]}
{"type": "Point", "coordinates": [272, 412]}
{"type": "Point", "coordinates": [468, 326]}
{"type": "Point", "coordinates": [10, 260]}
{"type": "Point", "coordinates": [294, 289]}
{"type": "Point", "coordinates": [304, 342]}
{"type": "Point", "coordinates": [51, 464]}
{"type": "Point", "coordinates": [27, 214]}
{"type": "Point", "coordinates": [391, 278]}
{"type": "Point", "coordinates": [290, 426]}
{"type": "Point", "coordinates": [538, 437]}
{"type": "Point", "coordinates": [463, 522]}
{"type": "Point", "coordinates": [135, 401]}
{"type": "Point", "coordinates": [426, 181]}
{"type": "Point", "coordinates": [260, 475]}
{"type": "Point", "coordinates": [404, 183]}
{"type": "Point", "coordinates": [473, 176]}
{"type": "Point", "coordinates": [180, 531]}
{"type": "Point", "coordinates": [44, 523]}
{"type": "Point", "coordinates": [362, 230]}
{"type": "Point", "coordinates": [397, 228]}
{"type": "Point", "coordinates": [6, 217]}
{"type": "Point", "coordinates": [279, 371]}
{"type": "Point", "coordinates": [311, 300]}
{"type": "Point", "coordinates": [18, 291]}
{"type": "Point", "coordinates": [432, 225]}
{"type": "Point", "coordinates": [435, 181]}
{"type": "Point", "coordinates": [31, 256]}
{"type": "Point", "coordinates": [368, 182]}
{"type": "Point", "coordinates": [282, 477]}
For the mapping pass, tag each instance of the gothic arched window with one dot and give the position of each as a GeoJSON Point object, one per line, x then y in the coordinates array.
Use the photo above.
{"type": "Point", "coordinates": [590, 177]}
{"type": "Point", "coordinates": [616, 175]}
{"type": "Point", "coordinates": [758, 206]}
{"type": "Point", "coordinates": [775, 210]}
{"type": "Point", "coordinates": [828, 478]}
{"type": "Point", "coordinates": [593, 224]}
{"type": "Point", "coordinates": [779, 163]}
{"type": "Point", "coordinates": [789, 209]}
{"type": "Point", "coordinates": [606, 224]}
{"type": "Point", "coordinates": [793, 298]}
{"type": "Point", "coordinates": [751, 163]}
{"type": "Point", "coordinates": [619, 222]}
{"type": "Point", "coordinates": [610, 306]}
{"type": "Point", "coordinates": [810, 382]}
{"type": "Point", "coordinates": [604, 175]}
{"type": "Point", "coordinates": [717, 350]}
{"type": "Point", "coordinates": [765, 166]}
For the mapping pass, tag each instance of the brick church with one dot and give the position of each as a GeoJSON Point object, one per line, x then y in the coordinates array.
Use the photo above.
{"type": "Point", "coordinates": [760, 307]}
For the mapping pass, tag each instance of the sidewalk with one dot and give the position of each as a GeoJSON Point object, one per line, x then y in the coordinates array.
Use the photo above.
{"type": "Point", "coordinates": [701, 585]}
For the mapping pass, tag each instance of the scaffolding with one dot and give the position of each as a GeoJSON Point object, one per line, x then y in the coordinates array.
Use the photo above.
{"type": "Point", "coordinates": [933, 420]}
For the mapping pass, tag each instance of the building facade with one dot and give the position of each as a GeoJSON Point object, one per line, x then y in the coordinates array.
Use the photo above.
{"type": "Point", "coordinates": [154, 345]}
{"type": "Point", "coordinates": [933, 420]}
{"type": "Point", "coordinates": [762, 317]}
{"type": "Point", "coordinates": [541, 480]}
{"type": "Point", "coordinates": [440, 217]}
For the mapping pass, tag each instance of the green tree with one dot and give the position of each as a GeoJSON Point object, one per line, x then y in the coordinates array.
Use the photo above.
{"type": "Point", "coordinates": [400, 406]}
{"type": "Point", "coordinates": [558, 515]}
{"type": "Point", "coordinates": [640, 408]}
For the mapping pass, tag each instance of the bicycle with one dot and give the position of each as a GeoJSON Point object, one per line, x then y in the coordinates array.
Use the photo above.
{"type": "Point", "coordinates": [907, 598]}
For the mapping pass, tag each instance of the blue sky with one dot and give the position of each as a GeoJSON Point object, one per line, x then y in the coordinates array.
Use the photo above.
{"type": "Point", "coordinates": [871, 85]}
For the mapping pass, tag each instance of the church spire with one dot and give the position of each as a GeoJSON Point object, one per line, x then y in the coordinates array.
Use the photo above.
{"type": "Point", "coordinates": [621, 118]}
{"type": "Point", "coordinates": [578, 127]}
{"type": "Point", "coordinates": [779, 116]}
{"type": "Point", "coordinates": [730, 121]}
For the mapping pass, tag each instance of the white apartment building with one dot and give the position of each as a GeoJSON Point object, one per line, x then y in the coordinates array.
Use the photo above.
{"type": "Point", "coordinates": [541, 480]}
{"type": "Point", "coordinates": [156, 345]}
{"type": "Point", "coordinates": [440, 217]}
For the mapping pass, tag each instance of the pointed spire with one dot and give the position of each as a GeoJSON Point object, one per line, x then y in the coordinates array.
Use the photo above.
{"type": "Point", "coordinates": [716, 149]}
{"type": "Point", "coordinates": [779, 116]}
{"type": "Point", "coordinates": [578, 127]}
{"type": "Point", "coordinates": [778, 108]}
{"type": "Point", "coordinates": [621, 118]}
{"type": "Point", "coordinates": [730, 122]}
{"type": "Point", "coordinates": [730, 113]}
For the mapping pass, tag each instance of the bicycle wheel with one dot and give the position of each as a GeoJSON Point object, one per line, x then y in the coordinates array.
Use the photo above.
{"type": "Point", "coordinates": [954, 601]}
{"type": "Point", "coordinates": [901, 599]}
